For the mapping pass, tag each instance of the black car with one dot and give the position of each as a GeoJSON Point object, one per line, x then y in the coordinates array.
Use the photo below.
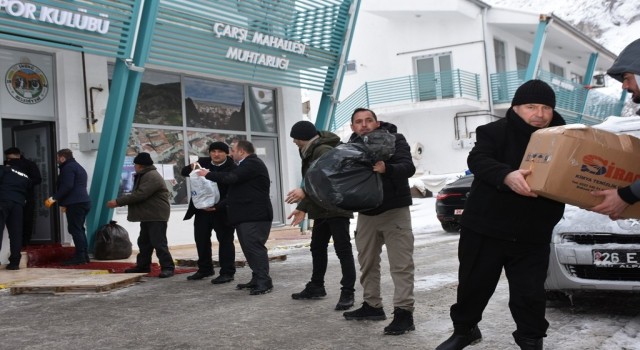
{"type": "Point", "coordinates": [450, 203]}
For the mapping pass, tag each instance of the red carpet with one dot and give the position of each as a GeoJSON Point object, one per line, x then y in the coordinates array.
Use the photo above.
{"type": "Point", "coordinates": [52, 256]}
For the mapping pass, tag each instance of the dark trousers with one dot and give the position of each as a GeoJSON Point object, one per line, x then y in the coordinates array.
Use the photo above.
{"type": "Point", "coordinates": [153, 235]}
{"type": "Point", "coordinates": [76, 215]}
{"type": "Point", "coordinates": [11, 216]}
{"type": "Point", "coordinates": [203, 223]}
{"type": "Point", "coordinates": [482, 259]}
{"type": "Point", "coordinates": [29, 218]}
{"type": "Point", "coordinates": [323, 230]}
{"type": "Point", "coordinates": [253, 237]}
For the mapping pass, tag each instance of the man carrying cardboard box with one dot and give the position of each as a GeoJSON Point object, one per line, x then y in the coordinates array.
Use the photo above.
{"type": "Point", "coordinates": [505, 225]}
{"type": "Point", "coordinates": [625, 69]}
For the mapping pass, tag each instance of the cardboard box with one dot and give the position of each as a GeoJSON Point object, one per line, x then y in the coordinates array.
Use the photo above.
{"type": "Point", "coordinates": [568, 162]}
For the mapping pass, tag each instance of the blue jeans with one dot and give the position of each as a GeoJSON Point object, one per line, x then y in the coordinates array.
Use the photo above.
{"type": "Point", "coordinates": [76, 215]}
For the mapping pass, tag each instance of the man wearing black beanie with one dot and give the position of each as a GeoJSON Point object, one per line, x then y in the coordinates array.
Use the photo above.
{"type": "Point", "coordinates": [327, 223]}
{"type": "Point", "coordinates": [213, 218]}
{"type": "Point", "coordinates": [505, 225]}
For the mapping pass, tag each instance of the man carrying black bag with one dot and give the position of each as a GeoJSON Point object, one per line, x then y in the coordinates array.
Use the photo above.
{"type": "Point", "coordinates": [389, 224]}
{"type": "Point", "coordinates": [327, 223]}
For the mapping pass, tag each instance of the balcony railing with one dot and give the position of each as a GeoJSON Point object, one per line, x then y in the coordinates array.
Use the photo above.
{"type": "Point", "coordinates": [409, 89]}
{"type": "Point", "coordinates": [574, 102]}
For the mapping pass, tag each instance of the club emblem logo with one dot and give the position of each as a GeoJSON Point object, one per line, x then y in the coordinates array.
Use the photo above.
{"type": "Point", "coordinates": [26, 83]}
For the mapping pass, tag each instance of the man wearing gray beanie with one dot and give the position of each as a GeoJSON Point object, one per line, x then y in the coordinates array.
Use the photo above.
{"type": "Point", "coordinates": [625, 69]}
{"type": "Point", "coordinates": [505, 225]}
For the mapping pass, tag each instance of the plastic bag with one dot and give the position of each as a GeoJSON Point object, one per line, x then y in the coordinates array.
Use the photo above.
{"type": "Point", "coordinates": [343, 178]}
{"type": "Point", "coordinates": [381, 145]}
{"type": "Point", "coordinates": [204, 193]}
{"type": "Point", "coordinates": [112, 243]}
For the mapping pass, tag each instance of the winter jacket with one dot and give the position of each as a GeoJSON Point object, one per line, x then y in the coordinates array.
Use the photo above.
{"type": "Point", "coordinates": [72, 184]}
{"type": "Point", "coordinates": [28, 167]}
{"type": "Point", "coordinates": [248, 198]}
{"type": "Point", "coordinates": [314, 149]}
{"type": "Point", "coordinates": [221, 206]}
{"type": "Point", "coordinates": [492, 208]}
{"type": "Point", "coordinates": [627, 62]}
{"type": "Point", "coordinates": [395, 180]}
{"type": "Point", "coordinates": [149, 199]}
{"type": "Point", "coordinates": [13, 185]}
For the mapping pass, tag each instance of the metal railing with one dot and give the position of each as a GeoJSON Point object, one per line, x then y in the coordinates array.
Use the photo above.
{"type": "Point", "coordinates": [409, 89]}
{"type": "Point", "coordinates": [574, 102]}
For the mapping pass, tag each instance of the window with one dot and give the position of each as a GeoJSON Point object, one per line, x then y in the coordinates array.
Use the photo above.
{"type": "Point", "coordinates": [262, 109]}
{"type": "Point", "coordinates": [214, 105]}
{"type": "Point", "coordinates": [576, 78]}
{"type": "Point", "coordinates": [500, 55]}
{"type": "Point", "coordinates": [555, 69]}
{"type": "Point", "coordinates": [522, 59]}
{"type": "Point", "coordinates": [171, 126]}
{"type": "Point", "coordinates": [159, 101]}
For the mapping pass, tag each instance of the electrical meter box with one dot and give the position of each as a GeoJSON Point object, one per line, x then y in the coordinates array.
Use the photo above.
{"type": "Point", "coordinates": [89, 141]}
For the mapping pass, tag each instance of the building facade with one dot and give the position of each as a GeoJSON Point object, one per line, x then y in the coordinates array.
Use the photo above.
{"type": "Point", "coordinates": [439, 69]}
{"type": "Point", "coordinates": [111, 79]}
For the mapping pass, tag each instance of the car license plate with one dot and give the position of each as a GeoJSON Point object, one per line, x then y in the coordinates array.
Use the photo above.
{"type": "Point", "coordinates": [458, 211]}
{"type": "Point", "coordinates": [616, 258]}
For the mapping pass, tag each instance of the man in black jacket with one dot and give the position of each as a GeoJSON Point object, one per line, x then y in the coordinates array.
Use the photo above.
{"type": "Point", "coordinates": [626, 69]}
{"type": "Point", "coordinates": [505, 225]}
{"type": "Point", "coordinates": [389, 224]}
{"type": "Point", "coordinates": [13, 192]}
{"type": "Point", "coordinates": [326, 223]}
{"type": "Point", "coordinates": [249, 210]}
{"type": "Point", "coordinates": [214, 218]}
{"type": "Point", "coordinates": [16, 160]}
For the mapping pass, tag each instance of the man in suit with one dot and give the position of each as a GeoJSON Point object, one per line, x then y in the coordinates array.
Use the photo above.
{"type": "Point", "coordinates": [249, 210]}
{"type": "Point", "coordinates": [214, 218]}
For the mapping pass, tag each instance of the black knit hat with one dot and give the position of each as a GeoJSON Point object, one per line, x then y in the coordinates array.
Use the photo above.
{"type": "Point", "coordinates": [534, 91]}
{"type": "Point", "coordinates": [303, 130]}
{"type": "Point", "coordinates": [143, 158]}
{"type": "Point", "coordinates": [219, 145]}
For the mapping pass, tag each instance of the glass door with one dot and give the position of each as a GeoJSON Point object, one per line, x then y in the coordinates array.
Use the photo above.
{"type": "Point", "coordinates": [435, 77]}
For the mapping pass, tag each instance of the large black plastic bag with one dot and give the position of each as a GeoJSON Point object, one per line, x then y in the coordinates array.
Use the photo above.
{"type": "Point", "coordinates": [381, 145]}
{"type": "Point", "coordinates": [112, 243]}
{"type": "Point", "coordinates": [343, 178]}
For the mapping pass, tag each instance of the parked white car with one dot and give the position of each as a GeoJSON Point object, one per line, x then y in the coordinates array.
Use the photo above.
{"type": "Point", "coordinates": [589, 251]}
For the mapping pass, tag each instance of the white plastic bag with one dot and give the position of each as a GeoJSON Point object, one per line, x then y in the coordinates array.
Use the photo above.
{"type": "Point", "coordinates": [204, 193]}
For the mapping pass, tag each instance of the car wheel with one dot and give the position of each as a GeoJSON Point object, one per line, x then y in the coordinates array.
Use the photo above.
{"type": "Point", "coordinates": [451, 226]}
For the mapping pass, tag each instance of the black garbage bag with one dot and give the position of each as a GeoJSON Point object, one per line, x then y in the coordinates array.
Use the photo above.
{"type": "Point", "coordinates": [380, 144]}
{"type": "Point", "coordinates": [343, 178]}
{"type": "Point", "coordinates": [112, 242]}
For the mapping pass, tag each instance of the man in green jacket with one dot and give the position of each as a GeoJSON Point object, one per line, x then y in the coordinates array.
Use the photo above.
{"type": "Point", "coordinates": [149, 204]}
{"type": "Point", "coordinates": [327, 224]}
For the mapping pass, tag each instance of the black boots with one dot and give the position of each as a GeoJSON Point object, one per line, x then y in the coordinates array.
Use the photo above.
{"type": "Point", "coordinates": [402, 322]}
{"type": "Point", "coordinates": [346, 300]}
{"type": "Point", "coordinates": [366, 312]}
{"type": "Point", "coordinates": [461, 339]}
{"type": "Point", "coordinates": [529, 343]}
{"type": "Point", "coordinates": [310, 291]}
{"type": "Point", "coordinates": [199, 275]}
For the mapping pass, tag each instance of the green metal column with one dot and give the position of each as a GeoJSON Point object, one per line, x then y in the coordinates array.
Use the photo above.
{"type": "Point", "coordinates": [538, 45]}
{"type": "Point", "coordinates": [121, 106]}
{"type": "Point", "coordinates": [328, 101]}
{"type": "Point", "coordinates": [586, 81]}
{"type": "Point", "coordinates": [620, 105]}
